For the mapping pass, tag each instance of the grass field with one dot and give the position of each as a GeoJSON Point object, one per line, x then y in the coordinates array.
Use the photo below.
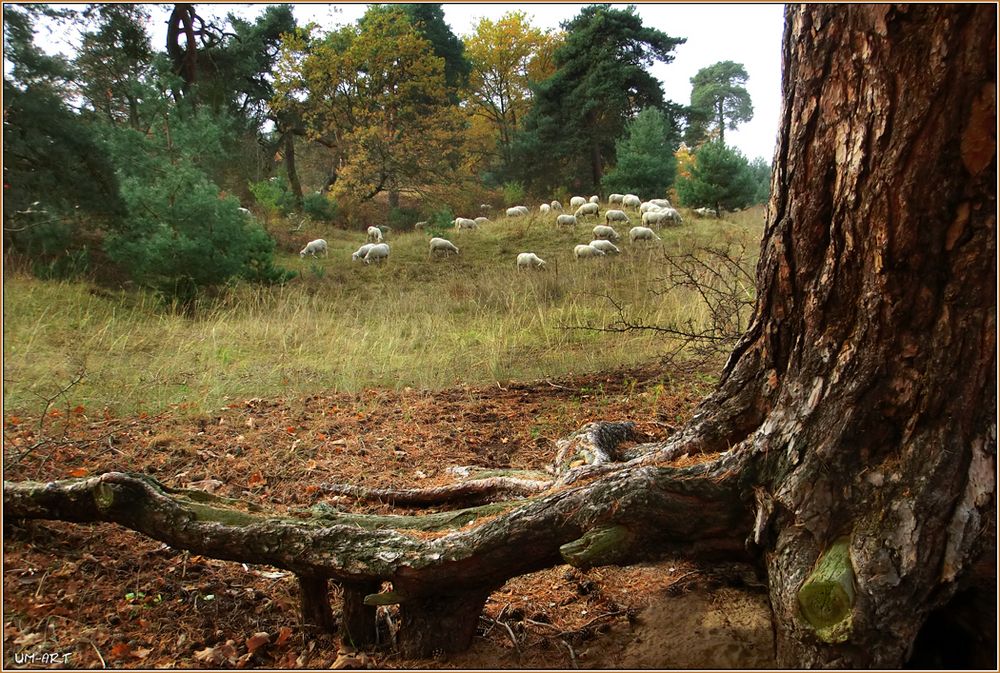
{"type": "Point", "coordinates": [344, 326]}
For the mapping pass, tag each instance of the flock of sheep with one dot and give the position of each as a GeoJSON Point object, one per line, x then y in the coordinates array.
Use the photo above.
{"type": "Point", "coordinates": [655, 212]}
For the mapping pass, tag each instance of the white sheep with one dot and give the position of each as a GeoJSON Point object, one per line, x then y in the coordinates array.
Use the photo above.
{"type": "Point", "coordinates": [442, 245]}
{"type": "Point", "coordinates": [615, 198]}
{"type": "Point", "coordinates": [485, 207]}
{"type": "Point", "coordinates": [566, 220]}
{"type": "Point", "coordinates": [661, 217]}
{"type": "Point", "coordinates": [662, 203]}
{"type": "Point", "coordinates": [361, 252]}
{"type": "Point", "coordinates": [420, 225]}
{"type": "Point", "coordinates": [616, 216]}
{"type": "Point", "coordinates": [245, 212]}
{"type": "Point", "coordinates": [595, 199]}
{"type": "Point", "coordinates": [529, 260]}
{"type": "Point", "coordinates": [556, 206]}
{"type": "Point", "coordinates": [544, 208]}
{"type": "Point", "coordinates": [517, 211]}
{"type": "Point", "coordinates": [584, 251]}
{"type": "Point", "coordinates": [588, 209]}
{"type": "Point", "coordinates": [642, 234]}
{"type": "Point", "coordinates": [374, 235]}
{"type": "Point", "coordinates": [631, 201]}
{"type": "Point", "coordinates": [647, 206]}
{"type": "Point", "coordinates": [577, 201]}
{"type": "Point", "coordinates": [465, 223]}
{"type": "Point", "coordinates": [606, 233]}
{"type": "Point", "coordinates": [706, 212]}
{"type": "Point", "coordinates": [482, 220]}
{"type": "Point", "coordinates": [312, 247]}
{"type": "Point", "coordinates": [377, 253]}
{"type": "Point", "coordinates": [607, 247]}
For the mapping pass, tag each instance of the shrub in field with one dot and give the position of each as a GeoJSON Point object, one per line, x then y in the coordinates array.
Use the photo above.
{"type": "Point", "coordinates": [319, 207]}
{"type": "Point", "coordinates": [719, 178]}
{"type": "Point", "coordinates": [440, 222]}
{"type": "Point", "coordinates": [513, 193]}
{"type": "Point", "coordinates": [274, 195]}
{"type": "Point", "coordinates": [403, 218]}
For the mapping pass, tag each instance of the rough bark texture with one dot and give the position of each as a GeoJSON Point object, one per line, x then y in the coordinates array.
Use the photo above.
{"type": "Point", "coordinates": [852, 439]}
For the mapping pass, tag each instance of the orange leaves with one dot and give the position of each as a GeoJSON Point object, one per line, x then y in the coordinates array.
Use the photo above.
{"type": "Point", "coordinates": [79, 472]}
{"type": "Point", "coordinates": [257, 640]}
{"type": "Point", "coordinates": [290, 430]}
{"type": "Point", "coordinates": [256, 479]}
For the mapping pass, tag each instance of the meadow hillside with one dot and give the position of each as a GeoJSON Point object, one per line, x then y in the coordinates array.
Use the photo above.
{"type": "Point", "coordinates": [343, 326]}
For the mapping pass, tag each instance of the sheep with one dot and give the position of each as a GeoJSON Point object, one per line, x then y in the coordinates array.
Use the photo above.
{"type": "Point", "coordinates": [563, 220]}
{"type": "Point", "coordinates": [616, 216]}
{"type": "Point", "coordinates": [385, 229]}
{"type": "Point", "coordinates": [361, 252]}
{"type": "Point", "coordinates": [647, 206]}
{"type": "Point", "coordinates": [595, 199]}
{"type": "Point", "coordinates": [529, 260]}
{"type": "Point", "coordinates": [442, 245]}
{"type": "Point", "coordinates": [556, 206]}
{"type": "Point", "coordinates": [523, 209]}
{"type": "Point", "coordinates": [607, 247]}
{"type": "Point", "coordinates": [606, 233]}
{"type": "Point", "coordinates": [631, 201]}
{"type": "Point", "coordinates": [660, 217]}
{"type": "Point", "coordinates": [615, 198]}
{"type": "Point", "coordinates": [374, 235]}
{"type": "Point", "coordinates": [485, 207]}
{"type": "Point", "coordinates": [588, 209]}
{"type": "Point", "coordinates": [245, 212]}
{"type": "Point", "coordinates": [377, 253]}
{"type": "Point", "coordinates": [482, 220]}
{"type": "Point", "coordinates": [517, 211]}
{"type": "Point", "coordinates": [662, 203]}
{"type": "Point", "coordinates": [642, 234]}
{"type": "Point", "coordinates": [706, 212]}
{"type": "Point", "coordinates": [544, 208]}
{"type": "Point", "coordinates": [583, 251]}
{"type": "Point", "coordinates": [577, 201]}
{"type": "Point", "coordinates": [420, 225]}
{"type": "Point", "coordinates": [312, 247]}
{"type": "Point", "coordinates": [465, 223]}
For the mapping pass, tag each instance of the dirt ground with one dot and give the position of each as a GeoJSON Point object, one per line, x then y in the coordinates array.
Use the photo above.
{"type": "Point", "coordinates": [92, 596]}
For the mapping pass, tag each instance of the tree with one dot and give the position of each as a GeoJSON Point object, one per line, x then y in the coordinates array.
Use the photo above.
{"type": "Point", "coordinates": [719, 100]}
{"type": "Point", "coordinates": [600, 83]}
{"type": "Point", "coordinates": [850, 446]}
{"type": "Point", "coordinates": [760, 169]}
{"type": "Point", "coordinates": [720, 178]}
{"type": "Point", "coordinates": [508, 58]}
{"type": "Point", "coordinates": [375, 94]}
{"type": "Point", "coordinates": [428, 19]}
{"type": "Point", "coordinates": [646, 163]}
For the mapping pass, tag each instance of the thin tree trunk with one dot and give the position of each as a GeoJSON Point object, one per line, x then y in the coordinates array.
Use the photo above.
{"type": "Point", "coordinates": [290, 170]}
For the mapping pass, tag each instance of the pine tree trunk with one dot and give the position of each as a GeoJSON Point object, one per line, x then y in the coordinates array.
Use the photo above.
{"type": "Point", "coordinates": [868, 373]}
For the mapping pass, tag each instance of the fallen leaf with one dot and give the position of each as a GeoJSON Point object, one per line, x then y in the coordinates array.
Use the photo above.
{"type": "Point", "coordinates": [210, 485]}
{"type": "Point", "coordinates": [79, 472]}
{"type": "Point", "coordinates": [352, 660]}
{"type": "Point", "coordinates": [256, 640]}
{"type": "Point", "coordinates": [312, 488]}
{"type": "Point", "coordinates": [311, 464]}
{"type": "Point", "coordinates": [121, 650]}
{"type": "Point", "coordinates": [207, 654]}
{"type": "Point", "coordinates": [284, 633]}
{"type": "Point", "coordinates": [14, 420]}
{"type": "Point", "coordinates": [142, 652]}
{"type": "Point", "coordinates": [78, 409]}
{"type": "Point", "coordinates": [256, 479]}
{"type": "Point", "coordinates": [290, 430]}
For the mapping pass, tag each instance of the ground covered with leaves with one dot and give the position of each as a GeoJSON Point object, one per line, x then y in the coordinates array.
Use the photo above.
{"type": "Point", "coordinates": [92, 596]}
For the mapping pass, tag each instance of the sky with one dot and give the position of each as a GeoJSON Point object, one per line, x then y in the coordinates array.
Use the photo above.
{"type": "Point", "coordinates": [745, 33]}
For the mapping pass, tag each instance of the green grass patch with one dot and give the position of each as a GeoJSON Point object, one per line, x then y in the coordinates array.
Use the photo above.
{"type": "Point", "coordinates": [345, 326]}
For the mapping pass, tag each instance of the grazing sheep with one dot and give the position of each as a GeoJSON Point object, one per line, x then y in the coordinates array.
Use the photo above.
{"type": "Point", "coordinates": [564, 220]}
{"type": "Point", "coordinates": [361, 252]}
{"type": "Point", "coordinates": [606, 233]}
{"type": "Point", "coordinates": [377, 253]}
{"type": "Point", "coordinates": [385, 229]}
{"type": "Point", "coordinates": [245, 212]}
{"type": "Point", "coordinates": [595, 199]}
{"type": "Point", "coordinates": [465, 223]}
{"type": "Point", "coordinates": [312, 247]}
{"type": "Point", "coordinates": [588, 209]}
{"type": "Point", "coordinates": [577, 201]}
{"type": "Point", "coordinates": [615, 198]}
{"type": "Point", "coordinates": [706, 212]}
{"type": "Point", "coordinates": [374, 235]}
{"type": "Point", "coordinates": [442, 245]}
{"type": "Point", "coordinates": [420, 225]}
{"type": "Point", "coordinates": [485, 207]}
{"type": "Point", "coordinates": [517, 211]}
{"type": "Point", "coordinates": [482, 220]}
{"type": "Point", "coordinates": [607, 247]}
{"type": "Point", "coordinates": [583, 251]}
{"type": "Point", "coordinates": [556, 206]}
{"type": "Point", "coordinates": [662, 203]}
{"type": "Point", "coordinates": [615, 216]}
{"type": "Point", "coordinates": [544, 208]}
{"type": "Point", "coordinates": [660, 217]}
{"type": "Point", "coordinates": [642, 234]}
{"type": "Point", "coordinates": [631, 201]}
{"type": "Point", "coordinates": [529, 260]}
{"type": "Point", "coordinates": [647, 206]}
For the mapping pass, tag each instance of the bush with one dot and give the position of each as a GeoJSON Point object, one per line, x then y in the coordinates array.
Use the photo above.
{"type": "Point", "coordinates": [319, 207]}
{"type": "Point", "coordinates": [720, 178]}
{"type": "Point", "coordinates": [646, 163]}
{"type": "Point", "coordinates": [403, 218]}
{"type": "Point", "coordinates": [513, 193]}
{"type": "Point", "coordinates": [440, 222]}
{"type": "Point", "coordinates": [274, 195]}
